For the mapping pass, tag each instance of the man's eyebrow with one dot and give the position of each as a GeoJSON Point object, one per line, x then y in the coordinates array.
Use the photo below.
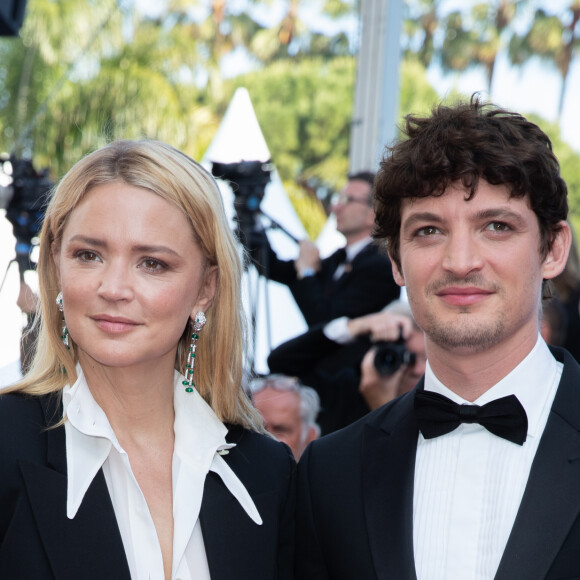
{"type": "Point", "coordinates": [140, 248]}
{"type": "Point", "coordinates": [421, 217]}
{"type": "Point", "coordinates": [499, 213]}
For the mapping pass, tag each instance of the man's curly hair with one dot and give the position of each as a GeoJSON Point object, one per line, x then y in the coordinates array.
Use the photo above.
{"type": "Point", "coordinates": [463, 144]}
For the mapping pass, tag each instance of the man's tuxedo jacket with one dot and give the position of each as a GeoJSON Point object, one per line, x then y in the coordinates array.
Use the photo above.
{"type": "Point", "coordinates": [355, 497]}
{"type": "Point", "coordinates": [39, 542]}
{"type": "Point", "coordinates": [367, 287]}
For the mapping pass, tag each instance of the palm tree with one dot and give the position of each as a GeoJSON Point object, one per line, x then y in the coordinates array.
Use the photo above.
{"type": "Point", "coordinates": [552, 38]}
{"type": "Point", "coordinates": [479, 43]}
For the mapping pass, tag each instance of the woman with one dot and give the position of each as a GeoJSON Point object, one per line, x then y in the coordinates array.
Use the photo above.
{"type": "Point", "coordinates": [129, 450]}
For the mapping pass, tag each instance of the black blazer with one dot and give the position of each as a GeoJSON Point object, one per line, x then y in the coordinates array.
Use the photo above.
{"type": "Point", "coordinates": [355, 497]}
{"type": "Point", "coordinates": [39, 542]}
{"type": "Point", "coordinates": [366, 288]}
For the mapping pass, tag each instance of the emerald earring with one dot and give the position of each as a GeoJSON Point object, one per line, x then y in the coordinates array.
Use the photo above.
{"type": "Point", "coordinates": [198, 323]}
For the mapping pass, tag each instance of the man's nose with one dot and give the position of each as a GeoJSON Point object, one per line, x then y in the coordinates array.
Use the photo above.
{"type": "Point", "coordinates": [462, 254]}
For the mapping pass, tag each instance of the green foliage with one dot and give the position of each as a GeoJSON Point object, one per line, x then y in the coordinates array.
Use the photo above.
{"type": "Point", "coordinates": [308, 208]}
{"type": "Point", "coordinates": [304, 109]}
{"type": "Point", "coordinates": [569, 166]}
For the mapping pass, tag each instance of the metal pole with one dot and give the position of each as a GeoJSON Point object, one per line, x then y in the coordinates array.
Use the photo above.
{"type": "Point", "coordinates": [377, 83]}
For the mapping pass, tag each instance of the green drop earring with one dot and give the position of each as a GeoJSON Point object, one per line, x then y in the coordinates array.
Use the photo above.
{"type": "Point", "coordinates": [197, 324]}
{"type": "Point", "coordinates": [64, 331]}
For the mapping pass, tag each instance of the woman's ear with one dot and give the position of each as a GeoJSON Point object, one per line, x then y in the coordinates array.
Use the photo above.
{"type": "Point", "coordinates": [207, 290]}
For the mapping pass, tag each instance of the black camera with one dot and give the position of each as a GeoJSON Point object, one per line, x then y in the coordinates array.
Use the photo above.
{"type": "Point", "coordinates": [25, 206]}
{"type": "Point", "coordinates": [249, 180]}
{"type": "Point", "coordinates": [391, 356]}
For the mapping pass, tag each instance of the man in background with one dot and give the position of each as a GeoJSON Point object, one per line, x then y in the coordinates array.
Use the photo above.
{"type": "Point", "coordinates": [355, 280]}
{"type": "Point", "coordinates": [339, 360]}
{"type": "Point", "coordinates": [289, 410]}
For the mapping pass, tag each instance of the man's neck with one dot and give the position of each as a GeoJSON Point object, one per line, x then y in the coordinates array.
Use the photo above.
{"type": "Point", "coordinates": [469, 375]}
{"type": "Point", "coordinates": [354, 238]}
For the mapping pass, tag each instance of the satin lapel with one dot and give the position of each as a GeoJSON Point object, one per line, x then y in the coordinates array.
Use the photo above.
{"type": "Point", "coordinates": [88, 546]}
{"type": "Point", "coordinates": [551, 501]}
{"type": "Point", "coordinates": [388, 453]}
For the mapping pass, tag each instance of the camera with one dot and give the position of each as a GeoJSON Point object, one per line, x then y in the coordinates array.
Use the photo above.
{"type": "Point", "coordinates": [24, 200]}
{"type": "Point", "coordinates": [249, 180]}
{"type": "Point", "coordinates": [391, 356]}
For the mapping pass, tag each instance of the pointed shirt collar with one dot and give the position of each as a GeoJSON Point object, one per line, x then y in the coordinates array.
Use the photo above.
{"type": "Point", "coordinates": [200, 442]}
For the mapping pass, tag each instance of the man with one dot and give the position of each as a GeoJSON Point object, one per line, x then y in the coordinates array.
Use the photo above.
{"type": "Point", "coordinates": [351, 282]}
{"type": "Point", "coordinates": [338, 360]}
{"type": "Point", "coordinates": [472, 208]}
{"type": "Point", "coordinates": [289, 410]}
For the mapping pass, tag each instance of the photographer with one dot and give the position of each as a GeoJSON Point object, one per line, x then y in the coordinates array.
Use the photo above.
{"type": "Point", "coordinates": [377, 385]}
{"type": "Point", "coordinates": [340, 360]}
{"type": "Point", "coordinates": [354, 281]}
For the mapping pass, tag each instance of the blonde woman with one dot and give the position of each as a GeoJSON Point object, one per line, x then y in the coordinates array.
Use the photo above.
{"type": "Point", "coordinates": [129, 450]}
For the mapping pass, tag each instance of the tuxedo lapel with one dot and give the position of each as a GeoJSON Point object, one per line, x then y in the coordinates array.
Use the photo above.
{"type": "Point", "coordinates": [388, 455]}
{"type": "Point", "coordinates": [89, 546]}
{"type": "Point", "coordinates": [551, 501]}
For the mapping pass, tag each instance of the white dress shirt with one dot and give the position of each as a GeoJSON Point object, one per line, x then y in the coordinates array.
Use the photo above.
{"type": "Point", "coordinates": [199, 445]}
{"type": "Point", "coordinates": [469, 483]}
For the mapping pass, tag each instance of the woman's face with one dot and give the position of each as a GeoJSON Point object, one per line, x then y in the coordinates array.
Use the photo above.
{"type": "Point", "coordinates": [131, 276]}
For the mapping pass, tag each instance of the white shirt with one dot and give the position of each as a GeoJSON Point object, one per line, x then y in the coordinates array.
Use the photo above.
{"type": "Point", "coordinates": [199, 443]}
{"type": "Point", "coordinates": [469, 483]}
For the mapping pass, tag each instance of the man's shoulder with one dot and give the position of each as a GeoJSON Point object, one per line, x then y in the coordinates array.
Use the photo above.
{"type": "Point", "coordinates": [349, 440]}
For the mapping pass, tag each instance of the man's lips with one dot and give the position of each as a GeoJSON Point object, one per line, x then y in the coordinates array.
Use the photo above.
{"type": "Point", "coordinates": [463, 295]}
{"type": "Point", "coordinates": [114, 324]}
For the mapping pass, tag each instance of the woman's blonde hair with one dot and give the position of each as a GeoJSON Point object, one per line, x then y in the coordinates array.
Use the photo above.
{"type": "Point", "coordinates": [181, 181]}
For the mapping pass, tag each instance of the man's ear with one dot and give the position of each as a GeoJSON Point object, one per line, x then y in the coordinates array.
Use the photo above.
{"type": "Point", "coordinates": [555, 260]}
{"type": "Point", "coordinates": [397, 273]}
{"type": "Point", "coordinates": [207, 290]}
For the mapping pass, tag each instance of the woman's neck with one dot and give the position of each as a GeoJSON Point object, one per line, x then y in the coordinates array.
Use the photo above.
{"type": "Point", "coordinates": [135, 400]}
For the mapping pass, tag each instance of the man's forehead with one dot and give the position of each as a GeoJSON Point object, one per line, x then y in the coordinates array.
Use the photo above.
{"type": "Point", "coordinates": [357, 187]}
{"type": "Point", "coordinates": [486, 196]}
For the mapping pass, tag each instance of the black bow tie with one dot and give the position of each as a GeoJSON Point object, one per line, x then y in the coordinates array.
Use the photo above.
{"type": "Point", "coordinates": [437, 415]}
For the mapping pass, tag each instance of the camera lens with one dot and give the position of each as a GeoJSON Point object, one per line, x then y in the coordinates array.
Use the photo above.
{"type": "Point", "coordinates": [390, 356]}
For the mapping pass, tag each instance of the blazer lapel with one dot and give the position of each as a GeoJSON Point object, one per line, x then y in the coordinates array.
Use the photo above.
{"type": "Point", "coordinates": [236, 549]}
{"type": "Point", "coordinates": [388, 454]}
{"type": "Point", "coordinates": [551, 501]}
{"type": "Point", "coordinates": [89, 546]}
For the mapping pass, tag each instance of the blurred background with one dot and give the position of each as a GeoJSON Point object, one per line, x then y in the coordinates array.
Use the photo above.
{"type": "Point", "coordinates": [75, 74]}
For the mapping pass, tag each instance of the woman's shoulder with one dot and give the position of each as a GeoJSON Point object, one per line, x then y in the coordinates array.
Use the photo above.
{"type": "Point", "coordinates": [24, 420]}
{"type": "Point", "coordinates": [261, 452]}
{"type": "Point", "coordinates": [23, 405]}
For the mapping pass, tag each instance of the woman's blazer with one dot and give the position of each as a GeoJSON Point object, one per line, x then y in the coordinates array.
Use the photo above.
{"type": "Point", "coordinates": [38, 541]}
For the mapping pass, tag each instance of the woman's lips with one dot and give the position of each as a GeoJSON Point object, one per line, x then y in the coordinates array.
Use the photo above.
{"type": "Point", "coordinates": [114, 324]}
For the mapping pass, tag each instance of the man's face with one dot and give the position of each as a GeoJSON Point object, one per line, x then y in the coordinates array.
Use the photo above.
{"type": "Point", "coordinates": [473, 269]}
{"type": "Point", "coordinates": [354, 213]}
{"type": "Point", "coordinates": [281, 413]}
